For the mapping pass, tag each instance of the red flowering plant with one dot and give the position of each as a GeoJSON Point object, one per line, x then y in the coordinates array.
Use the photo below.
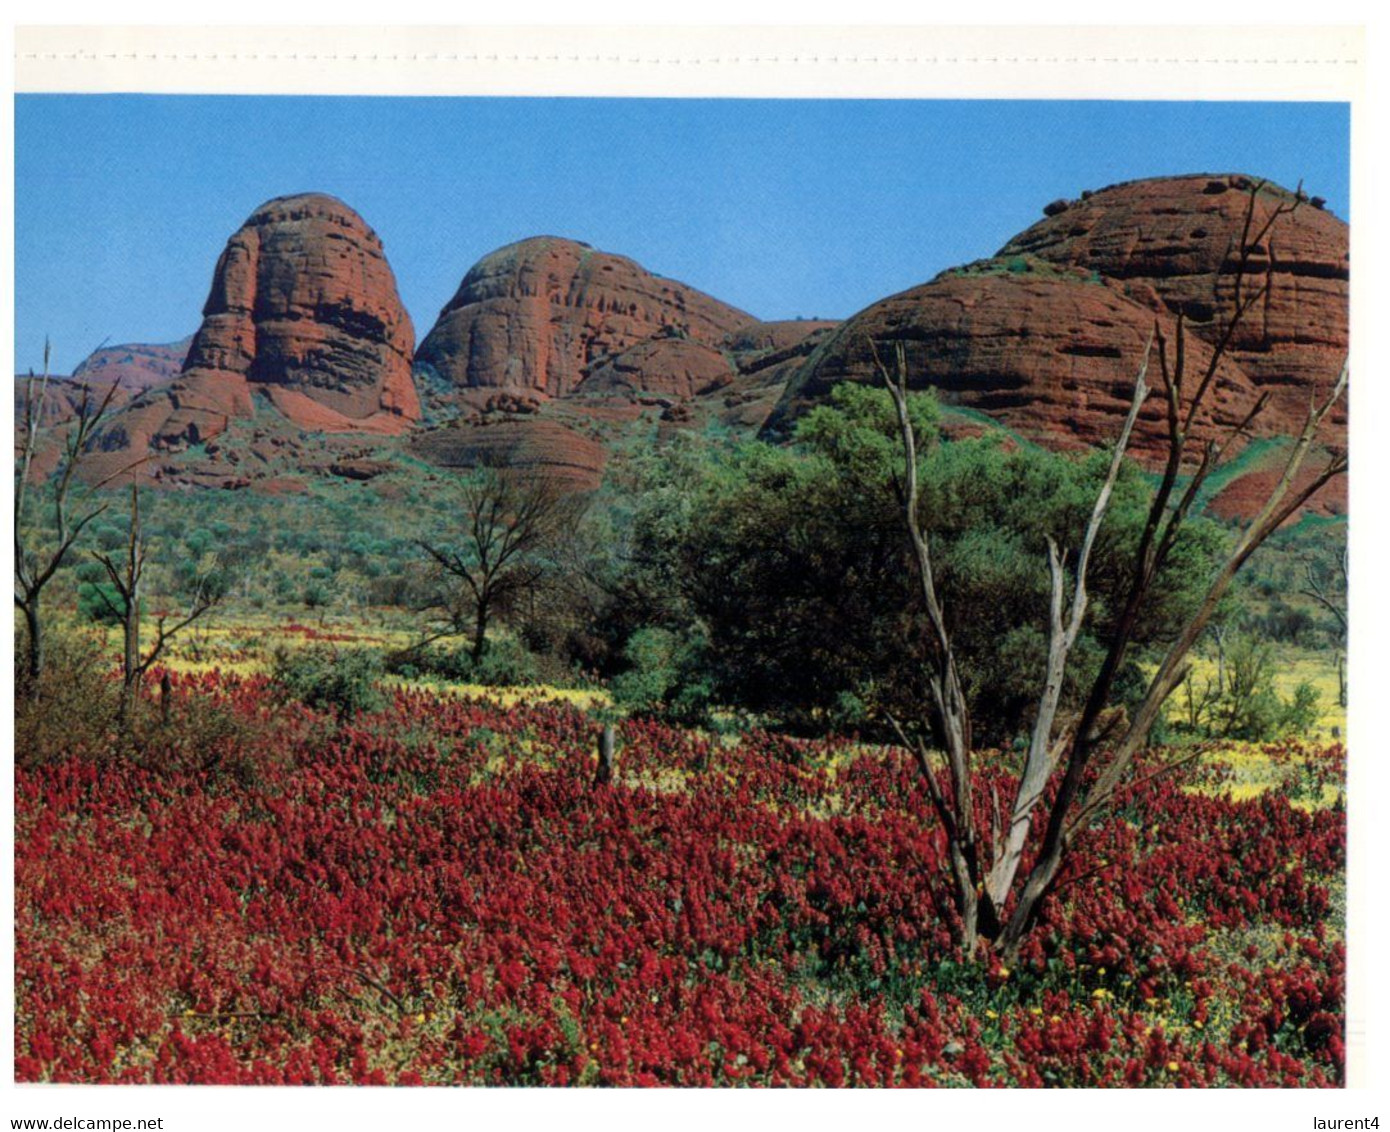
{"type": "Point", "coordinates": [435, 893]}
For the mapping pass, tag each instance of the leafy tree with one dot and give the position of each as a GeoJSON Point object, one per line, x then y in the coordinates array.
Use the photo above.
{"type": "Point", "coordinates": [794, 565]}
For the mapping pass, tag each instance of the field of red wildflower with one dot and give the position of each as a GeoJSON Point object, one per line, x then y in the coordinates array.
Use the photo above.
{"type": "Point", "coordinates": [436, 893]}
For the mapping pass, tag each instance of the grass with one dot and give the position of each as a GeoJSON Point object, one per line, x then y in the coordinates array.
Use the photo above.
{"type": "Point", "coordinates": [244, 648]}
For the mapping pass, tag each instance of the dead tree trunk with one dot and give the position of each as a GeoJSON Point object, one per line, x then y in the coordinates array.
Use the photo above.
{"type": "Point", "coordinates": [1284, 500]}
{"type": "Point", "coordinates": [603, 774]}
{"type": "Point", "coordinates": [36, 562]}
{"type": "Point", "coordinates": [128, 580]}
{"type": "Point", "coordinates": [166, 697]}
{"type": "Point", "coordinates": [992, 905]}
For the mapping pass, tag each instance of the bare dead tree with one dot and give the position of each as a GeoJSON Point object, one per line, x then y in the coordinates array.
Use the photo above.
{"type": "Point", "coordinates": [127, 578]}
{"type": "Point", "coordinates": [1329, 588]}
{"type": "Point", "coordinates": [1218, 636]}
{"type": "Point", "coordinates": [1320, 589]}
{"type": "Point", "coordinates": [510, 523]}
{"type": "Point", "coordinates": [37, 559]}
{"type": "Point", "coordinates": [993, 903]}
{"type": "Point", "coordinates": [981, 892]}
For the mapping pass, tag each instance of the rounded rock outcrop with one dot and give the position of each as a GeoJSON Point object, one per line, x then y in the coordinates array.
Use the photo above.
{"type": "Point", "coordinates": [674, 367]}
{"type": "Point", "coordinates": [303, 308]}
{"type": "Point", "coordinates": [1180, 238]}
{"type": "Point", "coordinates": [538, 314]}
{"type": "Point", "coordinates": [303, 300]}
{"type": "Point", "coordinates": [1050, 354]}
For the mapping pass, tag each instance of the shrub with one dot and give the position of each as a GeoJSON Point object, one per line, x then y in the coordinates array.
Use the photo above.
{"type": "Point", "coordinates": [73, 708]}
{"type": "Point", "coordinates": [328, 679]}
{"type": "Point", "coordinates": [506, 663]}
{"type": "Point", "coordinates": [666, 674]}
{"type": "Point", "coordinates": [1300, 714]}
{"type": "Point", "coordinates": [1249, 706]}
{"type": "Point", "coordinates": [650, 654]}
{"type": "Point", "coordinates": [99, 603]}
{"type": "Point", "coordinates": [208, 736]}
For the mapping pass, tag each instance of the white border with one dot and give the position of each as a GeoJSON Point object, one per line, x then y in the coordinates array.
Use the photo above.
{"type": "Point", "coordinates": [1294, 63]}
{"type": "Point", "coordinates": [890, 62]}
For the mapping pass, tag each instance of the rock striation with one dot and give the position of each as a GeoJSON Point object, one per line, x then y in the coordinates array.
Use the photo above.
{"type": "Point", "coordinates": [536, 445]}
{"type": "Point", "coordinates": [303, 308]}
{"type": "Point", "coordinates": [1045, 338]}
{"type": "Point", "coordinates": [675, 367]}
{"type": "Point", "coordinates": [135, 367]}
{"type": "Point", "coordinates": [540, 314]}
{"type": "Point", "coordinates": [1050, 354]}
{"type": "Point", "coordinates": [1179, 238]}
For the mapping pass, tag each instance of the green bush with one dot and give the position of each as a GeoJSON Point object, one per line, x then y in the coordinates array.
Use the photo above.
{"type": "Point", "coordinates": [794, 563]}
{"type": "Point", "coordinates": [1300, 714]}
{"type": "Point", "coordinates": [1248, 706]}
{"type": "Point", "coordinates": [666, 673]}
{"type": "Point", "coordinates": [505, 664]}
{"type": "Point", "coordinates": [99, 603]}
{"type": "Point", "coordinates": [650, 654]}
{"type": "Point", "coordinates": [328, 679]}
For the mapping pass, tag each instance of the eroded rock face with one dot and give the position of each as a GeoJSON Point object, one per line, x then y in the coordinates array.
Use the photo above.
{"type": "Point", "coordinates": [135, 367]}
{"type": "Point", "coordinates": [535, 444]}
{"type": "Point", "coordinates": [759, 339]}
{"type": "Point", "coordinates": [1179, 238]}
{"type": "Point", "coordinates": [303, 308]}
{"type": "Point", "coordinates": [539, 314]}
{"type": "Point", "coordinates": [1050, 354]}
{"type": "Point", "coordinates": [1245, 493]}
{"type": "Point", "coordinates": [303, 300]}
{"type": "Point", "coordinates": [676, 367]}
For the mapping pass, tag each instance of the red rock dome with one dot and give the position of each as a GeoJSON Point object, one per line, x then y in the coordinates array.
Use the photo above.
{"type": "Point", "coordinates": [1179, 237]}
{"type": "Point", "coordinates": [1049, 353]}
{"type": "Point", "coordinates": [303, 307]}
{"type": "Point", "coordinates": [536, 315]}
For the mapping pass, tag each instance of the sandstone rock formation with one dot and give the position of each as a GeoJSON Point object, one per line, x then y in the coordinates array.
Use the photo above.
{"type": "Point", "coordinates": [677, 367]}
{"type": "Point", "coordinates": [1245, 493]}
{"type": "Point", "coordinates": [537, 315]}
{"type": "Point", "coordinates": [303, 308]}
{"type": "Point", "coordinates": [534, 444]}
{"type": "Point", "coordinates": [1051, 354]}
{"type": "Point", "coordinates": [136, 366]}
{"type": "Point", "coordinates": [1179, 238]}
{"type": "Point", "coordinates": [766, 339]}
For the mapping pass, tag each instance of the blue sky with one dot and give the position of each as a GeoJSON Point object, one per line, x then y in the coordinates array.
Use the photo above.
{"type": "Point", "coordinates": [785, 208]}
